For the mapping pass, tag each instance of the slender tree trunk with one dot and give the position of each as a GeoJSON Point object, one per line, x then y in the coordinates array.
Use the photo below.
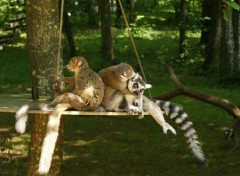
{"type": "Point", "coordinates": [92, 14]}
{"type": "Point", "coordinates": [177, 9]}
{"type": "Point", "coordinates": [214, 36]}
{"type": "Point", "coordinates": [227, 47]}
{"type": "Point", "coordinates": [106, 31]}
{"type": "Point", "coordinates": [182, 31]}
{"type": "Point", "coordinates": [68, 31]}
{"type": "Point", "coordinates": [131, 6]}
{"type": "Point", "coordinates": [236, 32]}
{"type": "Point", "coordinates": [118, 15]}
{"type": "Point", "coordinates": [42, 39]}
{"type": "Point", "coordinates": [207, 6]}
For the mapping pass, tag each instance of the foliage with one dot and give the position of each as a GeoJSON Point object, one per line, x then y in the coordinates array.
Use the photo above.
{"type": "Point", "coordinates": [127, 146]}
{"type": "Point", "coordinates": [3, 11]}
{"type": "Point", "coordinates": [230, 4]}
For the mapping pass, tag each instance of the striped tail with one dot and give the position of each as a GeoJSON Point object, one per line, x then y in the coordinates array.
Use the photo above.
{"type": "Point", "coordinates": [180, 117]}
{"type": "Point", "coordinates": [50, 139]}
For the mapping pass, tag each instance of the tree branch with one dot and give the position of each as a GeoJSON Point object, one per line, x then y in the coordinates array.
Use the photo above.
{"type": "Point", "coordinates": [183, 90]}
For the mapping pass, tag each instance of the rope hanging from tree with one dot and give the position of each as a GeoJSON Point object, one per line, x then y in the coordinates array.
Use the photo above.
{"type": "Point", "coordinates": [60, 38]}
{"type": "Point", "coordinates": [129, 32]}
{"type": "Point", "coordinates": [133, 44]}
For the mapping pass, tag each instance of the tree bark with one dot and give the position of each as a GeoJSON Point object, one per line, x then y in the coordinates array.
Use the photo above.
{"type": "Point", "coordinates": [182, 31]}
{"type": "Point", "coordinates": [68, 31]}
{"type": "Point", "coordinates": [131, 6]}
{"type": "Point", "coordinates": [236, 33]}
{"type": "Point", "coordinates": [106, 31]}
{"type": "Point", "coordinates": [214, 36]}
{"type": "Point", "coordinates": [207, 6]}
{"type": "Point", "coordinates": [42, 19]}
{"type": "Point", "coordinates": [42, 34]}
{"type": "Point", "coordinates": [227, 48]}
{"type": "Point", "coordinates": [183, 90]}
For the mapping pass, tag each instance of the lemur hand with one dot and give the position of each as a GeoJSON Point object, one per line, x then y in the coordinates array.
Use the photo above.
{"type": "Point", "coordinates": [167, 127]}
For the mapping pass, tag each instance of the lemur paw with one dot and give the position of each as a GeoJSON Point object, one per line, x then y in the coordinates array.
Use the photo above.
{"type": "Point", "coordinates": [167, 127]}
{"type": "Point", "coordinates": [141, 116]}
{"type": "Point", "coordinates": [57, 88]}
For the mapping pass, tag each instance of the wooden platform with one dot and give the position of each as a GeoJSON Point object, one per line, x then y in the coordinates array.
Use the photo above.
{"type": "Point", "coordinates": [10, 103]}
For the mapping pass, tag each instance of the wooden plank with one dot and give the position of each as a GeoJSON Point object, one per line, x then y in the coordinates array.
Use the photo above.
{"type": "Point", "coordinates": [10, 104]}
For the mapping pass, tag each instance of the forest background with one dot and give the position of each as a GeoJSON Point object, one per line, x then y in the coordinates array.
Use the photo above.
{"type": "Point", "coordinates": [200, 39]}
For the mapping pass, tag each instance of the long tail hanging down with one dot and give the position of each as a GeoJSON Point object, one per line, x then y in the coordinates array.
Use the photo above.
{"type": "Point", "coordinates": [180, 117]}
{"type": "Point", "coordinates": [50, 139]}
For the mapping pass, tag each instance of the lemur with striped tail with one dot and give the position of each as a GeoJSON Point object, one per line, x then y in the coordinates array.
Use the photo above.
{"type": "Point", "coordinates": [175, 113]}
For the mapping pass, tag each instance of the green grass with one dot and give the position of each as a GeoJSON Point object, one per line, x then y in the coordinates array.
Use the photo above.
{"type": "Point", "coordinates": [127, 146]}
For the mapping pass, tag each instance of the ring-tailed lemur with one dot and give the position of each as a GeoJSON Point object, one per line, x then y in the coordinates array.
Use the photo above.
{"type": "Point", "coordinates": [134, 101]}
{"type": "Point", "coordinates": [234, 133]}
{"type": "Point", "coordinates": [175, 113]}
{"type": "Point", "coordinates": [115, 79]}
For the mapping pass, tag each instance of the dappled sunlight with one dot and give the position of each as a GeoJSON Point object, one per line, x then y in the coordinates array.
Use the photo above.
{"type": "Point", "coordinates": [81, 142]}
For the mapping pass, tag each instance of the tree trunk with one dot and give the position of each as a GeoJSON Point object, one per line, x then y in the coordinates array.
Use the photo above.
{"type": "Point", "coordinates": [207, 6]}
{"type": "Point", "coordinates": [182, 31]}
{"type": "Point", "coordinates": [68, 31]}
{"type": "Point", "coordinates": [92, 14]}
{"type": "Point", "coordinates": [42, 19]}
{"type": "Point", "coordinates": [131, 6]}
{"type": "Point", "coordinates": [214, 35]}
{"type": "Point", "coordinates": [106, 31]}
{"type": "Point", "coordinates": [227, 47]}
{"type": "Point", "coordinates": [118, 15]}
{"type": "Point", "coordinates": [236, 33]}
{"type": "Point", "coordinates": [42, 33]}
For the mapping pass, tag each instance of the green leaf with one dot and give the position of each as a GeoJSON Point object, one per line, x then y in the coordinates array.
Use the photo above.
{"type": "Point", "coordinates": [234, 5]}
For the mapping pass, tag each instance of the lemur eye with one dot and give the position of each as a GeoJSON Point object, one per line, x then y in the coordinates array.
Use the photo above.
{"type": "Point", "coordinates": [135, 85]}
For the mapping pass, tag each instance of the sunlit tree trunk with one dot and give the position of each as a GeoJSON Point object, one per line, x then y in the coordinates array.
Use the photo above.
{"type": "Point", "coordinates": [106, 31]}
{"type": "Point", "coordinates": [42, 39]}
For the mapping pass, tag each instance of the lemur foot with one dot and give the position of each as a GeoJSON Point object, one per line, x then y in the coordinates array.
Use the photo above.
{"type": "Point", "coordinates": [167, 127]}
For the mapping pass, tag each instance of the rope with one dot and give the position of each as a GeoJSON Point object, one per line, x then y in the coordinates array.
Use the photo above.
{"type": "Point", "coordinates": [59, 38]}
{"type": "Point", "coordinates": [133, 44]}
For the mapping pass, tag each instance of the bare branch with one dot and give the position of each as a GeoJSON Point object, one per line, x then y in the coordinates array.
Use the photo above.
{"type": "Point", "coordinates": [183, 90]}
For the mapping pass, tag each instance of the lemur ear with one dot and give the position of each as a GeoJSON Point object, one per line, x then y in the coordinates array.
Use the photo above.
{"type": "Point", "coordinates": [148, 86]}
